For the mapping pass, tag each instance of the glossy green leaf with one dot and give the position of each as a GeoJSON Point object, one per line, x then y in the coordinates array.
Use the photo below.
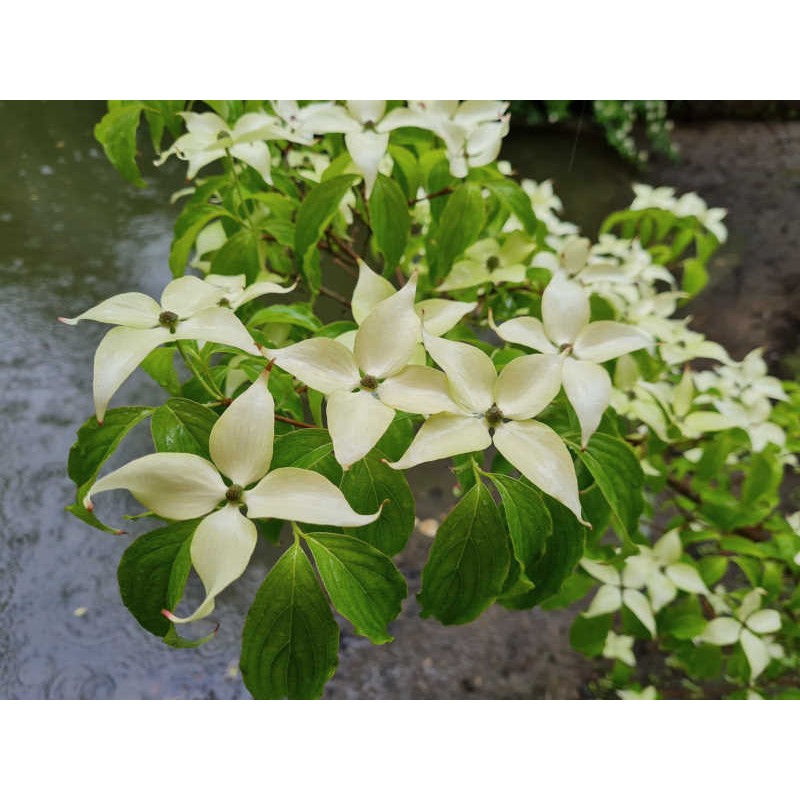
{"type": "Point", "coordinates": [316, 212]}
{"type": "Point", "coordinates": [512, 196]}
{"type": "Point", "coordinates": [307, 448]}
{"type": "Point", "coordinates": [160, 366]}
{"type": "Point", "coordinates": [182, 426]}
{"type": "Point", "coordinates": [290, 641]}
{"type": "Point", "coordinates": [193, 218]}
{"type": "Point", "coordinates": [468, 561]}
{"type": "Point", "coordinates": [588, 635]}
{"type": "Point", "coordinates": [459, 226]}
{"type": "Point", "coordinates": [391, 222]}
{"type": "Point", "coordinates": [97, 442]}
{"type": "Point", "coordinates": [152, 574]}
{"type": "Point", "coordinates": [297, 314]}
{"type": "Point", "coordinates": [363, 584]}
{"type": "Point", "coordinates": [616, 470]}
{"type": "Point", "coordinates": [241, 254]}
{"type": "Point", "coordinates": [563, 550]}
{"type": "Point", "coordinates": [116, 132]}
{"type": "Point", "coordinates": [695, 276]}
{"type": "Point", "coordinates": [369, 483]}
{"type": "Point", "coordinates": [528, 520]}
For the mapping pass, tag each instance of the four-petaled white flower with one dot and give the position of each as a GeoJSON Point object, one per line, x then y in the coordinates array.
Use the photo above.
{"type": "Point", "coordinates": [182, 486]}
{"type": "Point", "coordinates": [584, 346]}
{"type": "Point", "coordinates": [619, 590]}
{"type": "Point", "coordinates": [620, 648]}
{"type": "Point", "coordinates": [472, 130]}
{"type": "Point", "coordinates": [209, 138]}
{"type": "Point", "coordinates": [366, 126]}
{"type": "Point", "coordinates": [236, 293]}
{"type": "Point", "coordinates": [747, 627]}
{"type": "Point", "coordinates": [487, 261]}
{"type": "Point", "coordinates": [364, 387]}
{"type": "Point", "coordinates": [478, 407]}
{"type": "Point", "coordinates": [660, 569]}
{"type": "Point", "coordinates": [438, 316]}
{"type": "Point", "coordinates": [189, 309]}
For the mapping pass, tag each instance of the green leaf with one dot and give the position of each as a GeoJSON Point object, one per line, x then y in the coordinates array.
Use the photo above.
{"type": "Point", "coordinates": [239, 255]}
{"type": "Point", "coordinates": [695, 276]}
{"type": "Point", "coordinates": [316, 212]}
{"type": "Point", "coordinates": [615, 468]}
{"type": "Point", "coordinates": [588, 634]}
{"type": "Point", "coordinates": [459, 226]}
{"type": "Point", "coordinates": [160, 366]}
{"type": "Point", "coordinates": [405, 170]}
{"type": "Point", "coordinates": [763, 479]}
{"type": "Point", "coordinates": [368, 483]}
{"type": "Point", "coordinates": [362, 582]}
{"type": "Point", "coordinates": [188, 225]}
{"type": "Point", "coordinates": [290, 639]}
{"type": "Point", "coordinates": [391, 222]}
{"type": "Point", "coordinates": [528, 520]}
{"type": "Point", "coordinates": [512, 196]}
{"type": "Point", "coordinates": [183, 426]}
{"type": "Point", "coordinates": [116, 132]}
{"type": "Point", "coordinates": [468, 561]}
{"type": "Point", "coordinates": [308, 448]}
{"type": "Point", "coordinates": [297, 314]}
{"type": "Point", "coordinates": [564, 549]}
{"type": "Point", "coordinates": [152, 574]}
{"type": "Point", "coordinates": [97, 442]}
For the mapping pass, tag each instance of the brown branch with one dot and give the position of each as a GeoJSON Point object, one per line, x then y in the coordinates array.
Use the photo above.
{"type": "Point", "coordinates": [440, 193]}
{"type": "Point", "coordinates": [345, 248]}
{"type": "Point", "coordinates": [294, 422]}
{"type": "Point", "coordinates": [323, 290]}
{"type": "Point", "coordinates": [755, 533]}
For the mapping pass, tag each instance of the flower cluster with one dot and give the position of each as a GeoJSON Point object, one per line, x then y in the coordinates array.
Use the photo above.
{"type": "Point", "coordinates": [592, 449]}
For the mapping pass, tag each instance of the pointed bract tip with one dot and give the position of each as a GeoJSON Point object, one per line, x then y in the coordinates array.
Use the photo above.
{"type": "Point", "coordinates": [88, 505]}
{"type": "Point", "coordinates": [270, 365]}
{"type": "Point", "coordinates": [120, 532]}
{"type": "Point", "coordinates": [168, 614]}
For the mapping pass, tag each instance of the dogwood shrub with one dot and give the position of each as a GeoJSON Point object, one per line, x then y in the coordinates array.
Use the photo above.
{"type": "Point", "coordinates": [603, 448]}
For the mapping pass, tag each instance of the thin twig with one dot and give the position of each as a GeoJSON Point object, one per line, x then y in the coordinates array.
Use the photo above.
{"type": "Point", "coordinates": [440, 193]}
{"type": "Point", "coordinates": [295, 422]}
{"type": "Point", "coordinates": [323, 290]}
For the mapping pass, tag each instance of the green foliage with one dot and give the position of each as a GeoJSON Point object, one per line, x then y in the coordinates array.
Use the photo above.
{"type": "Point", "coordinates": [391, 222]}
{"type": "Point", "coordinates": [152, 575]}
{"type": "Point", "coordinates": [182, 426]}
{"type": "Point", "coordinates": [369, 483]}
{"type": "Point", "coordinates": [468, 562]}
{"type": "Point", "coordinates": [290, 639]}
{"type": "Point", "coordinates": [362, 582]}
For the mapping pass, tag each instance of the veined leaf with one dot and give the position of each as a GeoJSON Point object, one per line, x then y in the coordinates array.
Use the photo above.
{"type": "Point", "coordinates": [362, 582]}
{"type": "Point", "coordinates": [290, 641]}
{"type": "Point", "coordinates": [152, 574]}
{"type": "Point", "coordinates": [317, 211]}
{"type": "Point", "coordinates": [368, 483]}
{"type": "Point", "coordinates": [116, 132]}
{"type": "Point", "coordinates": [468, 561]}
{"type": "Point", "coordinates": [183, 426]}
{"type": "Point", "coordinates": [391, 222]}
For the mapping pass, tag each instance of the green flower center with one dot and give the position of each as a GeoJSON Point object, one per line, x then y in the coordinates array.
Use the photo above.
{"type": "Point", "coordinates": [494, 416]}
{"type": "Point", "coordinates": [169, 319]}
{"type": "Point", "coordinates": [234, 493]}
{"type": "Point", "coordinates": [369, 382]}
{"type": "Point", "coordinates": [493, 262]}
